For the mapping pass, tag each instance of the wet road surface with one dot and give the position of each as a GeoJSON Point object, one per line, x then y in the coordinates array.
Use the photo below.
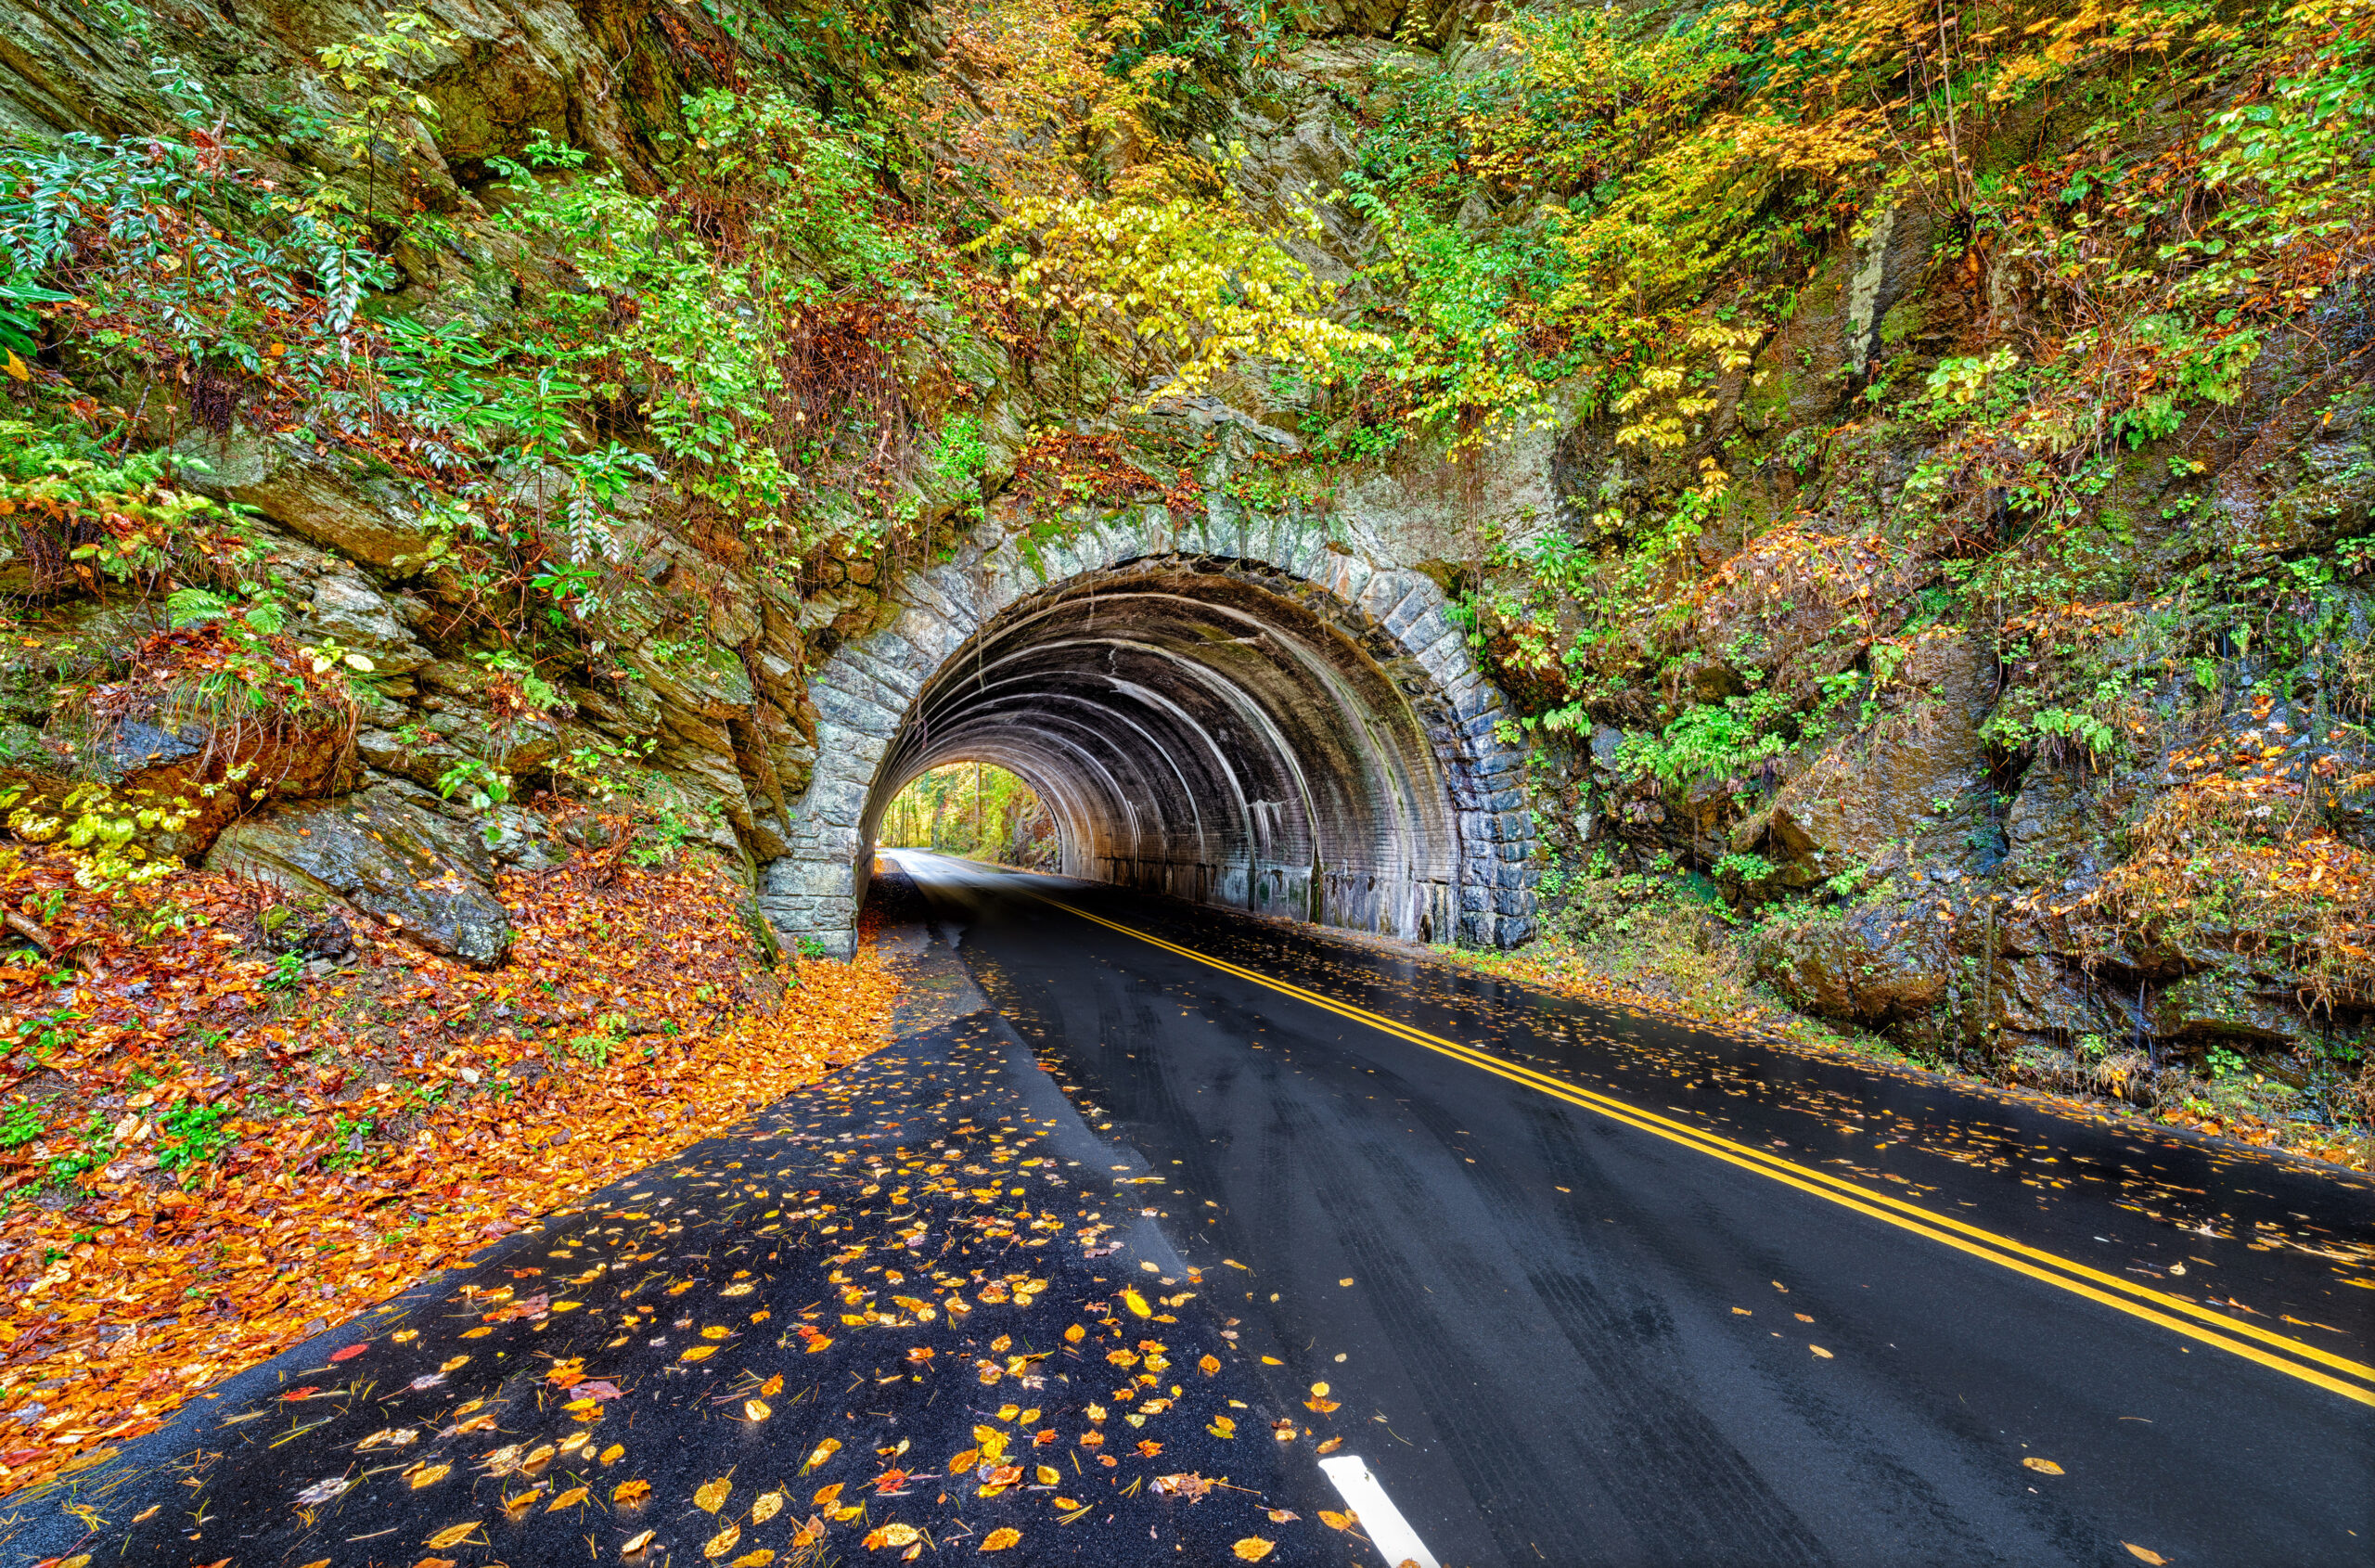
{"type": "Point", "coordinates": [1579, 1338]}
{"type": "Point", "coordinates": [912, 1312]}
{"type": "Point", "coordinates": [1575, 1285]}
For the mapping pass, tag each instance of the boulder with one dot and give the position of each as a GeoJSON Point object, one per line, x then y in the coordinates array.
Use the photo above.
{"type": "Point", "coordinates": [1913, 777]}
{"type": "Point", "coordinates": [385, 853]}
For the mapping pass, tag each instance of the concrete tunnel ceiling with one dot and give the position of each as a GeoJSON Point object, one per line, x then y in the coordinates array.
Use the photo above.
{"type": "Point", "coordinates": [1195, 728]}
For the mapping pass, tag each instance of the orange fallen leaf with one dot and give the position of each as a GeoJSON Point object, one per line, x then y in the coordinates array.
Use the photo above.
{"type": "Point", "coordinates": [1001, 1540]}
{"type": "Point", "coordinates": [1253, 1549]}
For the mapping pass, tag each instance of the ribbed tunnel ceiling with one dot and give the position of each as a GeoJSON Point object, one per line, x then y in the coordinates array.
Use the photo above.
{"type": "Point", "coordinates": [1200, 732]}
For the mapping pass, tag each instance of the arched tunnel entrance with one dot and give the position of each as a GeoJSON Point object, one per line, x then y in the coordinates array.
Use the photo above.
{"type": "Point", "coordinates": [1203, 734]}
{"type": "Point", "coordinates": [1307, 739]}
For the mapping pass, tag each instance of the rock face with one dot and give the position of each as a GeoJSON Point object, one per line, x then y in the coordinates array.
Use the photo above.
{"type": "Point", "coordinates": [388, 854]}
{"type": "Point", "coordinates": [1912, 779]}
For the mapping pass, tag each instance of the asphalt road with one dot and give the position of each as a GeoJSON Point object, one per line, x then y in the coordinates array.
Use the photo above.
{"type": "Point", "coordinates": [918, 1309]}
{"type": "Point", "coordinates": [1618, 1292]}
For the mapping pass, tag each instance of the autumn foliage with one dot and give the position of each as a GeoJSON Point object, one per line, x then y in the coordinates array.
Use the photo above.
{"type": "Point", "coordinates": [213, 1155]}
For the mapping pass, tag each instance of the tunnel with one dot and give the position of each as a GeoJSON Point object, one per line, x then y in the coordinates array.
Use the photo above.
{"type": "Point", "coordinates": [1206, 729]}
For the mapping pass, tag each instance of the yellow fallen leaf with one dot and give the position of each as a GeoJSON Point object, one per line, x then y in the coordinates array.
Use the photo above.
{"type": "Point", "coordinates": [1337, 1521]}
{"type": "Point", "coordinates": [614, 1453]}
{"type": "Point", "coordinates": [635, 1543]}
{"type": "Point", "coordinates": [1001, 1540]}
{"type": "Point", "coordinates": [1822, 1352]}
{"type": "Point", "coordinates": [699, 1352]}
{"type": "Point", "coordinates": [822, 1452]}
{"type": "Point", "coordinates": [759, 1559]}
{"type": "Point", "coordinates": [766, 1508]}
{"type": "Point", "coordinates": [723, 1542]}
{"type": "Point", "coordinates": [1076, 1334]}
{"type": "Point", "coordinates": [716, 1333]}
{"type": "Point", "coordinates": [712, 1495]}
{"type": "Point", "coordinates": [404, 1336]}
{"type": "Point", "coordinates": [891, 1535]}
{"type": "Point", "coordinates": [830, 1497]}
{"type": "Point", "coordinates": [570, 1499]}
{"type": "Point", "coordinates": [1135, 1302]}
{"type": "Point", "coordinates": [1272, 1362]}
{"type": "Point", "coordinates": [450, 1362]}
{"type": "Point", "coordinates": [772, 1387]}
{"type": "Point", "coordinates": [1209, 1365]}
{"type": "Point", "coordinates": [430, 1475]}
{"type": "Point", "coordinates": [756, 1410]}
{"type": "Point", "coordinates": [1253, 1549]}
{"type": "Point", "coordinates": [2143, 1553]}
{"type": "Point", "coordinates": [478, 1334]}
{"type": "Point", "coordinates": [1319, 1390]}
{"type": "Point", "coordinates": [960, 1463]}
{"type": "Point", "coordinates": [1049, 1476]}
{"type": "Point", "coordinates": [629, 1493]}
{"type": "Point", "coordinates": [451, 1535]}
{"type": "Point", "coordinates": [1343, 1281]}
{"type": "Point", "coordinates": [2043, 1467]}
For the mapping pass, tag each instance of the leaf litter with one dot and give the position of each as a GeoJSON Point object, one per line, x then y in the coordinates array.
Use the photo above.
{"type": "Point", "coordinates": [910, 1204]}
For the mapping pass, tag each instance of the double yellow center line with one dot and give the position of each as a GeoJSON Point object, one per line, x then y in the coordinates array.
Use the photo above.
{"type": "Point", "coordinates": [2337, 1374]}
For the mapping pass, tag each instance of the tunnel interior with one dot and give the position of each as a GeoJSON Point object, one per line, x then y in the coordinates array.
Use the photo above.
{"type": "Point", "coordinates": [1205, 730]}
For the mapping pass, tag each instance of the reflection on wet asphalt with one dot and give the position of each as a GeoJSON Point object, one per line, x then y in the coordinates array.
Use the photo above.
{"type": "Point", "coordinates": [1577, 1343]}
{"type": "Point", "coordinates": [906, 1312]}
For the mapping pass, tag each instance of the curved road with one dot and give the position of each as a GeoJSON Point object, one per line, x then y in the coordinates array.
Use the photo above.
{"type": "Point", "coordinates": [1610, 1291]}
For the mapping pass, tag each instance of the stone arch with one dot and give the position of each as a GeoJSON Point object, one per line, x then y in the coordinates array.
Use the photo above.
{"type": "Point", "coordinates": [1251, 715]}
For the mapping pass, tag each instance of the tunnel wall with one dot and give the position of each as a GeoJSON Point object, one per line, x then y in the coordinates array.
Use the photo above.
{"type": "Point", "coordinates": [1312, 739]}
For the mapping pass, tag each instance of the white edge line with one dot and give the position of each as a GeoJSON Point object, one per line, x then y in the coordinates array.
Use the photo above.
{"type": "Point", "coordinates": [1380, 1519]}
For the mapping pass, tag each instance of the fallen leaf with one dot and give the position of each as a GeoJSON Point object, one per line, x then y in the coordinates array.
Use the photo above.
{"type": "Point", "coordinates": [723, 1542]}
{"type": "Point", "coordinates": [349, 1353]}
{"type": "Point", "coordinates": [570, 1499]}
{"type": "Point", "coordinates": [629, 1493]}
{"type": "Point", "coordinates": [822, 1452]}
{"type": "Point", "coordinates": [2144, 1554]}
{"type": "Point", "coordinates": [756, 1410]}
{"type": "Point", "coordinates": [1048, 1475]}
{"type": "Point", "coordinates": [829, 1496]}
{"type": "Point", "coordinates": [1209, 1364]}
{"type": "Point", "coordinates": [451, 1535]}
{"type": "Point", "coordinates": [712, 1495]}
{"type": "Point", "coordinates": [772, 1387]}
{"type": "Point", "coordinates": [891, 1535]}
{"type": "Point", "coordinates": [1001, 1540]}
{"type": "Point", "coordinates": [635, 1543]}
{"type": "Point", "coordinates": [766, 1508]}
{"type": "Point", "coordinates": [1253, 1549]}
{"type": "Point", "coordinates": [1822, 1352]}
{"type": "Point", "coordinates": [1135, 1302]}
{"type": "Point", "coordinates": [758, 1559]}
{"type": "Point", "coordinates": [699, 1352]}
{"type": "Point", "coordinates": [1331, 1445]}
{"type": "Point", "coordinates": [428, 1475]}
{"type": "Point", "coordinates": [2043, 1467]}
{"type": "Point", "coordinates": [614, 1453]}
{"type": "Point", "coordinates": [1337, 1521]}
